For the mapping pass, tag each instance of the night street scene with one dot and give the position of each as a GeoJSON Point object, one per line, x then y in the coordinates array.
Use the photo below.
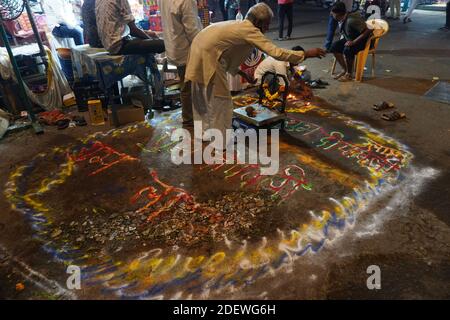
{"type": "Point", "coordinates": [246, 151]}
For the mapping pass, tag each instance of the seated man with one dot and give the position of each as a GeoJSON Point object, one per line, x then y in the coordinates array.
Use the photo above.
{"type": "Point", "coordinates": [354, 37]}
{"type": "Point", "coordinates": [61, 20]}
{"type": "Point", "coordinates": [332, 24]}
{"type": "Point", "coordinates": [270, 64]}
{"type": "Point", "coordinates": [90, 24]}
{"type": "Point", "coordinates": [119, 33]}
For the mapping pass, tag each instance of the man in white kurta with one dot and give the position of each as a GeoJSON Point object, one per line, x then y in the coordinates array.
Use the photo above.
{"type": "Point", "coordinates": [222, 48]}
{"type": "Point", "coordinates": [61, 20]}
{"type": "Point", "coordinates": [181, 24]}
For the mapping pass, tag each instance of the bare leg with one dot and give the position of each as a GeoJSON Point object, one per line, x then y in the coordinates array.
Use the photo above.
{"type": "Point", "coordinates": [349, 61]}
{"type": "Point", "coordinates": [340, 59]}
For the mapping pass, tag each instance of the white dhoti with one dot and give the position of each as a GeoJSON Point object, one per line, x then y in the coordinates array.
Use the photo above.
{"type": "Point", "coordinates": [211, 106]}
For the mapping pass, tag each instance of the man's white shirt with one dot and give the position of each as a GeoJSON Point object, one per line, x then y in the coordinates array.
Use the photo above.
{"type": "Point", "coordinates": [181, 23]}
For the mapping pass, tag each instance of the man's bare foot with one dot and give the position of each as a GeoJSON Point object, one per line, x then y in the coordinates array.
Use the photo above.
{"type": "Point", "coordinates": [343, 73]}
{"type": "Point", "coordinates": [346, 77]}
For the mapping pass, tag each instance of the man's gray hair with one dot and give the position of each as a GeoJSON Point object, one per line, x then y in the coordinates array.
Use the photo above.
{"type": "Point", "coordinates": [260, 12]}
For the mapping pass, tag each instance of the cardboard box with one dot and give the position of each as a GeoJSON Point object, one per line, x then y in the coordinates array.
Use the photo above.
{"type": "Point", "coordinates": [137, 96]}
{"type": "Point", "coordinates": [127, 114]}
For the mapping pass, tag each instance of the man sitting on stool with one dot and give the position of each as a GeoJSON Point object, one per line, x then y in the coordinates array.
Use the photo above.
{"type": "Point", "coordinates": [119, 33]}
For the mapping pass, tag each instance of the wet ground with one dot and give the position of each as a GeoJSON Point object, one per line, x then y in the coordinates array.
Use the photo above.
{"type": "Point", "coordinates": [351, 191]}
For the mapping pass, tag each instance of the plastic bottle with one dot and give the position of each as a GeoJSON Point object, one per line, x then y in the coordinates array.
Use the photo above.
{"type": "Point", "coordinates": [96, 112]}
{"type": "Point", "coordinates": [239, 15]}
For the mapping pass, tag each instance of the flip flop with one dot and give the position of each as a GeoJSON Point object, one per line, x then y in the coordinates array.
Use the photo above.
{"type": "Point", "coordinates": [393, 116]}
{"type": "Point", "coordinates": [315, 85]}
{"type": "Point", "coordinates": [383, 106]}
{"type": "Point", "coordinates": [52, 117]}
{"type": "Point", "coordinates": [63, 124]}
{"type": "Point", "coordinates": [49, 117]}
{"type": "Point", "coordinates": [321, 82]}
{"type": "Point", "coordinates": [177, 105]}
{"type": "Point", "coordinates": [338, 76]}
{"type": "Point", "coordinates": [345, 79]}
{"type": "Point", "coordinates": [79, 121]}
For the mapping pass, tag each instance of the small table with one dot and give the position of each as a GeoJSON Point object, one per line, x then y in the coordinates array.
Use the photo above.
{"type": "Point", "coordinates": [109, 69]}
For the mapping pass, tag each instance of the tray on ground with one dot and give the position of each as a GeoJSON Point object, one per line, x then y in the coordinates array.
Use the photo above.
{"type": "Point", "coordinates": [264, 116]}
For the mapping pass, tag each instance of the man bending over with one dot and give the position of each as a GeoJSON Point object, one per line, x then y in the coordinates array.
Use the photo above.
{"type": "Point", "coordinates": [221, 48]}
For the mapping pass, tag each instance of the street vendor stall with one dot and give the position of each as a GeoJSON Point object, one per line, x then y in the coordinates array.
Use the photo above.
{"type": "Point", "coordinates": [96, 63]}
{"type": "Point", "coordinates": [80, 64]}
{"type": "Point", "coordinates": [11, 11]}
{"type": "Point", "coordinates": [57, 86]}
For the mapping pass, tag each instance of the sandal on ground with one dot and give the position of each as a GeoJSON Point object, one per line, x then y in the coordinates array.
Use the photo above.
{"type": "Point", "coordinates": [336, 77]}
{"type": "Point", "coordinates": [315, 85]}
{"type": "Point", "coordinates": [177, 105]}
{"type": "Point", "coordinates": [63, 124]}
{"type": "Point", "coordinates": [321, 82]}
{"type": "Point", "coordinates": [51, 117]}
{"type": "Point", "coordinates": [345, 78]}
{"type": "Point", "coordinates": [79, 121]}
{"type": "Point", "coordinates": [383, 106]}
{"type": "Point", "coordinates": [393, 116]}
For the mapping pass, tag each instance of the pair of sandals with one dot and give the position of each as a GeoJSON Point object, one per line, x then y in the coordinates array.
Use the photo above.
{"type": "Point", "coordinates": [393, 116]}
{"type": "Point", "coordinates": [65, 123]}
{"type": "Point", "coordinates": [51, 117]}
{"type": "Point", "coordinates": [317, 84]}
{"type": "Point", "coordinates": [61, 120]}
